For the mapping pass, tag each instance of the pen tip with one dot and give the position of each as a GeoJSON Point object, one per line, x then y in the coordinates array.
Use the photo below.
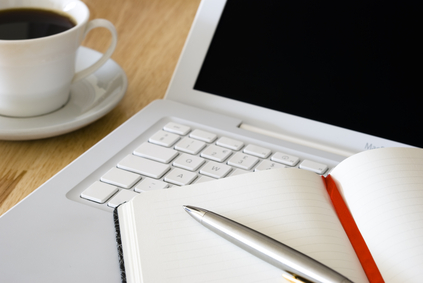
{"type": "Point", "coordinates": [195, 212]}
{"type": "Point", "coordinates": [188, 208]}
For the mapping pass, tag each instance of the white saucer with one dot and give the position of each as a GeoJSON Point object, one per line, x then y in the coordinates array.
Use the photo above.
{"type": "Point", "coordinates": [90, 99]}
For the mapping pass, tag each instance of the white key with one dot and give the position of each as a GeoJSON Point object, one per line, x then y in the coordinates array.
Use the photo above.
{"type": "Point", "coordinates": [238, 172]}
{"type": "Point", "coordinates": [203, 179]}
{"type": "Point", "coordinates": [177, 128]}
{"type": "Point", "coordinates": [121, 197]}
{"type": "Point", "coordinates": [285, 158]}
{"type": "Point", "coordinates": [180, 177]}
{"type": "Point", "coordinates": [243, 161]}
{"type": "Point", "coordinates": [164, 138]}
{"type": "Point", "coordinates": [99, 192]}
{"type": "Point", "coordinates": [120, 178]}
{"type": "Point", "coordinates": [230, 143]}
{"type": "Point", "coordinates": [143, 166]}
{"type": "Point", "coordinates": [216, 153]}
{"type": "Point", "coordinates": [188, 162]}
{"type": "Point", "coordinates": [203, 136]}
{"type": "Point", "coordinates": [149, 184]}
{"type": "Point", "coordinates": [267, 165]}
{"type": "Point", "coordinates": [155, 152]}
{"type": "Point", "coordinates": [257, 151]}
{"type": "Point", "coordinates": [215, 170]}
{"type": "Point", "coordinates": [189, 145]}
{"type": "Point", "coordinates": [315, 167]}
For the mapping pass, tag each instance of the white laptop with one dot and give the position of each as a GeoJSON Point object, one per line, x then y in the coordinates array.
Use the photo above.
{"type": "Point", "coordinates": [259, 85]}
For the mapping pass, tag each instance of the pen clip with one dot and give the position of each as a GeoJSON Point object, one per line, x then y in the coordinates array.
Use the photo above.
{"type": "Point", "coordinates": [294, 279]}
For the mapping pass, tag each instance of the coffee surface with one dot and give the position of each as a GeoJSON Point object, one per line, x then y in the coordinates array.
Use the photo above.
{"type": "Point", "coordinates": [27, 23]}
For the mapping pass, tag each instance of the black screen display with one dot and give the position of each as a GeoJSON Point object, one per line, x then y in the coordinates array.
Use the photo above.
{"type": "Point", "coordinates": [353, 64]}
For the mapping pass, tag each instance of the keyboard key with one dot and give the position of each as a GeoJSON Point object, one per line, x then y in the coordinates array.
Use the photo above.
{"type": "Point", "coordinates": [164, 138]}
{"type": "Point", "coordinates": [285, 158]}
{"type": "Point", "coordinates": [99, 192]}
{"type": "Point", "coordinates": [120, 178]}
{"type": "Point", "coordinates": [177, 128]}
{"type": "Point", "coordinates": [243, 161]}
{"type": "Point", "coordinates": [149, 184]}
{"type": "Point", "coordinates": [230, 143]}
{"type": "Point", "coordinates": [257, 151]}
{"type": "Point", "coordinates": [203, 136]}
{"type": "Point", "coordinates": [315, 167]}
{"type": "Point", "coordinates": [188, 162]}
{"type": "Point", "coordinates": [143, 166]}
{"type": "Point", "coordinates": [121, 197]}
{"type": "Point", "coordinates": [267, 165]}
{"type": "Point", "coordinates": [238, 172]}
{"type": "Point", "coordinates": [215, 170]}
{"type": "Point", "coordinates": [180, 177]}
{"type": "Point", "coordinates": [155, 152]}
{"type": "Point", "coordinates": [216, 153]}
{"type": "Point", "coordinates": [189, 145]}
{"type": "Point", "coordinates": [203, 179]}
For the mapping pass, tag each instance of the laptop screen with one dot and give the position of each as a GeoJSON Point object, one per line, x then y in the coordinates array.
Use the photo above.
{"type": "Point", "coordinates": [352, 64]}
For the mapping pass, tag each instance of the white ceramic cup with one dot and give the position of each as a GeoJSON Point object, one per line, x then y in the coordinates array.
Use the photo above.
{"type": "Point", "coordinates": [36, 74]}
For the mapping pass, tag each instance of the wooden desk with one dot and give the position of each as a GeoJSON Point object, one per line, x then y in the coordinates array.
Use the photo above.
{"type": "Point", "coordinates": [151, 36]}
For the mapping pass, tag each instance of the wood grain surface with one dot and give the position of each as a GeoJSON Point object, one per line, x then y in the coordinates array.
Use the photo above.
{"type": "Point", "coordinates": [151, 37]}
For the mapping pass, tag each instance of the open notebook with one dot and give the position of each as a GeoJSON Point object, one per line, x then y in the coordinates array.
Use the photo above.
{"type": "Point", "coordinates": [383, 189]}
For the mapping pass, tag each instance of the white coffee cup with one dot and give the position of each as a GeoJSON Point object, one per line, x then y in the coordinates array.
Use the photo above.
{"type": "Point", "coordinates": [36, 74]}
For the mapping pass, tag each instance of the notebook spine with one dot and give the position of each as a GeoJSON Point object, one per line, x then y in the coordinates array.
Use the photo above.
{"type": "Point", "coordinates": [119, 245]}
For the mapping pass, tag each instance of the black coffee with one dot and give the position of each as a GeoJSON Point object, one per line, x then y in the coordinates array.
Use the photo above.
{"type": "Point", "coordinates": [26, 23]}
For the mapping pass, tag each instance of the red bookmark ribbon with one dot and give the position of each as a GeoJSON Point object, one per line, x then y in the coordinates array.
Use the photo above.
{"type": "Point", "coordinates": [353, 233]}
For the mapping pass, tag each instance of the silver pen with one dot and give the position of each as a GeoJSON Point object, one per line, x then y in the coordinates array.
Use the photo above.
{"type": "Point", "coordinates": [297, 266]}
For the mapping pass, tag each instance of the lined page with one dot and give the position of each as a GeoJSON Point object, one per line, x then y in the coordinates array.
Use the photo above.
{"type": "Point", "coordinates": [289, 205]}
{"type": "Point", "coordinates": [384, 191]}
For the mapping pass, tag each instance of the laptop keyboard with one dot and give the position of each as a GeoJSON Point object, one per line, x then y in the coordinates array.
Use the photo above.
{"type": "Point", "coordinates": [178, 155]}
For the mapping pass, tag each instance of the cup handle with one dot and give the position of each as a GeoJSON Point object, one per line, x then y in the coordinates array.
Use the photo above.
{"type": "Point", "coordinates": [91, 25]}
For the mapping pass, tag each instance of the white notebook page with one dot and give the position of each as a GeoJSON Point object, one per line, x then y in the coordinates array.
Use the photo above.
{"type": "Point", "coordinates": [384, 191]}
{"type": "Point", "coordinates": [291, 206]}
